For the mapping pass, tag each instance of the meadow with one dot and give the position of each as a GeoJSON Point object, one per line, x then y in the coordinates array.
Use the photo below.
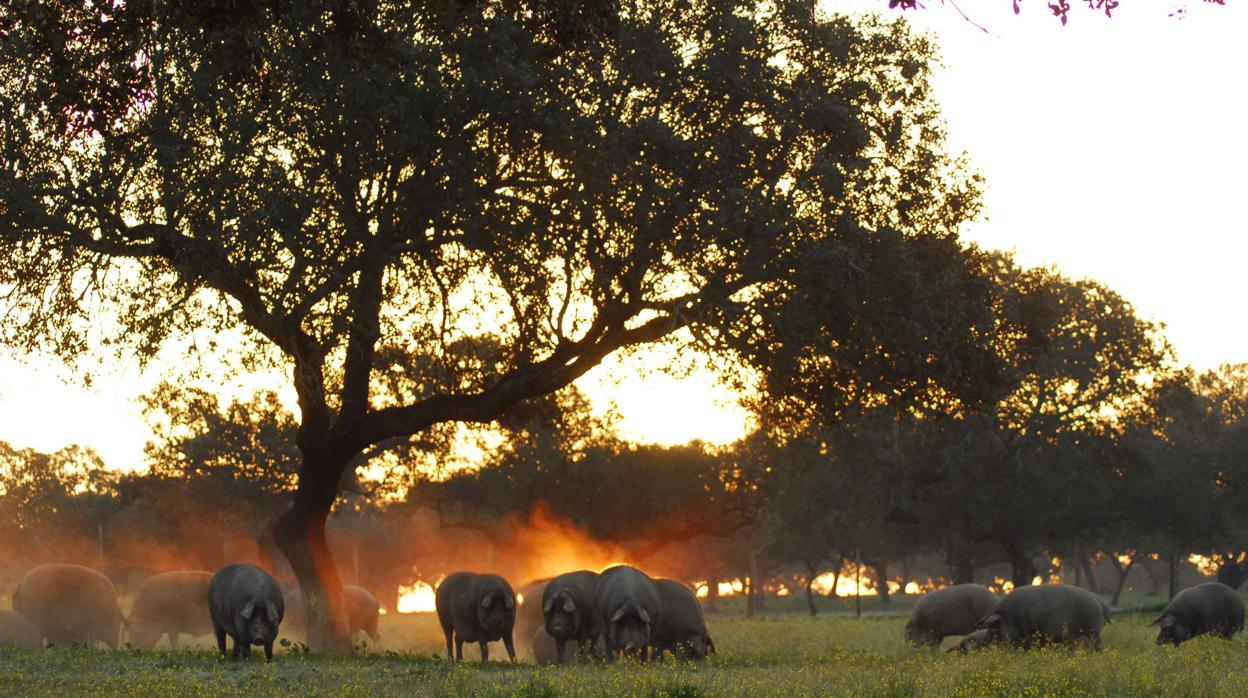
{"type": "Point", "coordinates": [782, 653]}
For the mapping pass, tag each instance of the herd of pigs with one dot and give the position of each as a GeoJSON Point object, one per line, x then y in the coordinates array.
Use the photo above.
{"type": "Point", "coordinates": [581, 616]}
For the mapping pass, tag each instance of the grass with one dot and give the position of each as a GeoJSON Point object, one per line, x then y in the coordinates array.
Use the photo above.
{"type": "Point", "coordinates": [782, 654]}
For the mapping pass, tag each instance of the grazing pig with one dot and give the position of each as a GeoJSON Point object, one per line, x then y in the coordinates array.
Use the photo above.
{"type": "Point", "coordinates": [363, 612]}
{"type": "Point", "coordinates": [70, 603]}
{"type": "Point", "coordinates": [954, 610]}
{"type": "Point", "coordinates": [169, 604]}
{"type": "Point", "coordinates": [542, 645]}
{"type": "Point", "coordinates": [681, 629]}
{"type": "Point", "coordinates": [628, 607]}
{"type": "Point", "coordinates": [972, 641]}
{"type": "Point", "coordinates": [1207, 608]}
{"type": "Point", "coordinates": [245, 603]}
{"type": "Point", "coordinates": [568, 611]}
{"type": "Point", "coordinates": [477, 608]}
{"type": "Point", "coordinates": [1035, 615]}
{"type": "Point", "coordinates": [16, 629]}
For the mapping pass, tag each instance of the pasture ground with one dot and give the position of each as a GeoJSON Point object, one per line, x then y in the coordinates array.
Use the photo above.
{"type": "Point", "coordinates": [780, 654]}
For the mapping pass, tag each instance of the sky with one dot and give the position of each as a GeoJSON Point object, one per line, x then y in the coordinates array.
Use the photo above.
{"type": "Point", "coordinates": [1113, 149]}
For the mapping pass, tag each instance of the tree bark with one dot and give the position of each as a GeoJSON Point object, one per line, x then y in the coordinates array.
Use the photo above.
{"type": "Point", "coordinates": [1088, 573]}
{"type": "Point", "coordinates": [1022, 569]}
{"type": "Point", "coordinates": [751, 581]}
{"type": "Point", "coordinates": [881, 580]}
{"type": "Point", "coordinates": [1172, 576]}
{"type": "Point", "coordinates": [812, 571]}
{"type": "Point", "coordinates": [1123, 571]}
{"type": "Point", "coordinates": [1233, 573]}
{"type": "Point", "coordinates": [960, 564]}
{"type": "Point", "coordinates": [300, 535]}
{"type": "Point", "coordinates": [712, 595]}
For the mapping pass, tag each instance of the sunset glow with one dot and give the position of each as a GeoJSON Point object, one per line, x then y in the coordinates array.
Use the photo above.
{"type": "Point", "coordinates": [419, 597]}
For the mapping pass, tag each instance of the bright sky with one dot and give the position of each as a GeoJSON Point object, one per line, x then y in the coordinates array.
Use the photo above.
{"type": "Point", "coordinates": [1113, 149]}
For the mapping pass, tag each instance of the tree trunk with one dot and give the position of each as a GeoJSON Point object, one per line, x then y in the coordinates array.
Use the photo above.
{"type": "Point", "coordinates": [300, 535]}
{"type": "Point", "coordinates": [1123, 571]}
{"type": "Point", "coordinates": [958, 557]}
{"type": "Point", "coordinates": [1173, 574]}
{"type": "Point", "coordinates": [712, 595]}
{"type": "Point", "coordinates": [811, 572]}
{"type": "Point", "coordinates": [881, 580]}
{"type": "Point", "coordinates": [1154, 583]}
{"type": "Point", "coordinates": [1233, 573]}
{"type": "Point", "coordinates": [750, 582]}
{"type": "Point", "coordinates": [1022, 569]}
{"type": "Point", "coordinates": [1088, 573]}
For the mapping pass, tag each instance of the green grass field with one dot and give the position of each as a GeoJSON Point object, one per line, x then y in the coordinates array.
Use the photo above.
{"type": "Point", "coordinates": [781, 654]}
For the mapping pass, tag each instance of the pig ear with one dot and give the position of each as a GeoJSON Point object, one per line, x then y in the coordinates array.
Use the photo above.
{"type": "Point", "coordinates": [550, 603]}
{"type": "Point", "coordinates": [509, 602]}
{"type": "Point", "coordinates": [641, 613]}
{"type": "Point", "coordinates": [487, 600]}
{"type": "Point", "coordinates": [249, 609]}
{"type": "Point", "coordinates": [1165, 621]}
{"type": "Point", "coordinates": [618, 615]}
{"type": "Point", "coordinates": [989, 621]}
{"type": "Point", "coordinates": [270, 608]}
{"type": "Point", "coordinates": [568, 606]}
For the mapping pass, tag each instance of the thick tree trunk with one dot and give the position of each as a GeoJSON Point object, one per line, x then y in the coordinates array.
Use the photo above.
{"type": "Point", "coordinates": [300, 535]}
{"type": "Point", "coordinates": [1022, 569]}
{"type": "Point", "coordinates": [712, 595]}
{"type": "Point", "coordinates": [880, 569]}
{"type": "Point", "coordinates": [957, 556]}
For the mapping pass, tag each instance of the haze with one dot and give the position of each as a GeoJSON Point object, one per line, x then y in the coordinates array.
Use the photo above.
{"type": "Point", "coordinates": [1109, 148]}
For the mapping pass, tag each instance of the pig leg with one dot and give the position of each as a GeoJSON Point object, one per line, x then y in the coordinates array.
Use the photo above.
{"type": "Point", "coordinates": [238, 648]}
{"type": "Point", "coordinates": [220, 633]}
{"type": "Point", "coordinates": [559, 650]}
{"type": "Point", "coordinates": [485, 651]}
{"type": "Point", "coordinates": [246, 650]}
{"type": "Point", "coordinates": [510, 644]}
{"type": "Point", "coordinates": [268, 651]}
{"type": "Point", "coordinates": [459, 648]}
{"type": "Point", "coordinates": [450, 653]}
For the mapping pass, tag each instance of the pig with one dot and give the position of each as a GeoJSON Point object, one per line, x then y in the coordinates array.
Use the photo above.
{"type": "Point", "coordinates": [70, 603]}
{"type": "Point", "coordinates": [542, 645]}
{"type": "Point", "coordinates": [245, 603]}
{"type": "Point", "coordinates": [568, 612]}
{"type": "Point", "coordinates": [972, 641]}
{"type": "Point", "coordinates": [363, 612]}
{"type": "Point", "coordinates": [953, 610]}
{"type": "Point", "coordinates": [529, 608]}
{"type": "Point", "coordinates": [1207, 608]}
{"type": "Point", "coordinates": [1050, 613]}
{"type": "Point", "coordinates": [170, 604]}
{"type": "Point", "coordinates": [681, 629]}
{"type": "Point", "coordinates": [628, 608]}
{"type": "Point", "coordinates": [16, 629]}
{"type": "Point", "coordinates": [477, 608]}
